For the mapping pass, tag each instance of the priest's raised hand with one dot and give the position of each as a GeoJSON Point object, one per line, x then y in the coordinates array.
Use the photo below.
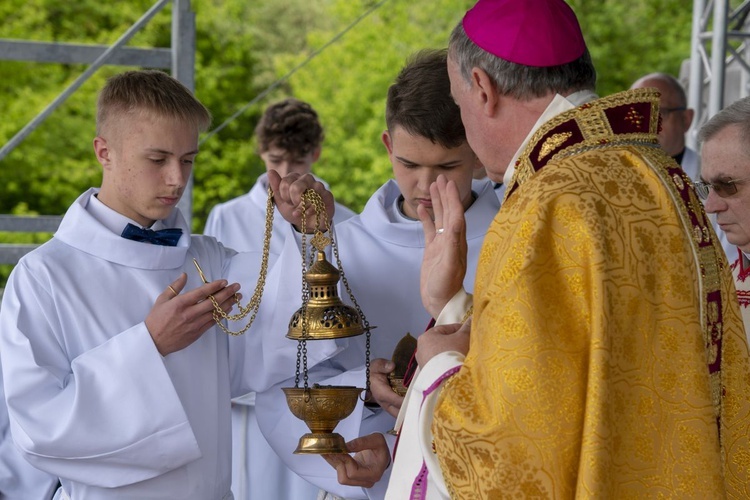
{"type": "Point", "coordinates": [445, 252]}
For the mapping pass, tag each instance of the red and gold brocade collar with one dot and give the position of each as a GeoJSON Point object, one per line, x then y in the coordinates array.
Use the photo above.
{"type": "Point", "coordinates": [626, 117]}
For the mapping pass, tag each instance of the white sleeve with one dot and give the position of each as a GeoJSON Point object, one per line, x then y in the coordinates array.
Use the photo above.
{"type": "Point", "coordinates": [18, 479]}
{"type": "Point", "coordinates": [456, 308]}
{"type": "Point", "coordinates": [414, 453]}
{"type": "Point", "coordinates": [109, 417]}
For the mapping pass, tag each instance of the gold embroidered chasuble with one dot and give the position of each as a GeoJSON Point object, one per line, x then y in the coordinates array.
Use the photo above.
{"type": "Point", "coordinates": [608, 358]}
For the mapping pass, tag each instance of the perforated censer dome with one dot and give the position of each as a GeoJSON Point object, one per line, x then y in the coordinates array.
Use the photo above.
{"type": "Point", "coordinates": [327, 316]}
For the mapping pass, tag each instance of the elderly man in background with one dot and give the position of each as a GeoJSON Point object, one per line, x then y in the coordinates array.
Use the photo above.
{"type": "Point", "coordinates": [676, 119]}
{"type": "Point", "coordinates": [723, 186]}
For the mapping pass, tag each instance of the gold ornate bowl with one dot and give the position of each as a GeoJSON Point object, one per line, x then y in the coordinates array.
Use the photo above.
{"type": "Point", "coordinates": [397, 384]}
{"type": "Point", "coordinates": [321, 408]}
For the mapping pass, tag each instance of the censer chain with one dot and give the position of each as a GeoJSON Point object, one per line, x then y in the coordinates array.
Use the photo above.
{"type": "Point", "coordinates": [316, 201]}
{"type": "Point", "coordinates": [254, 304]}
{"type": "Point", "coordinates": [359, 311]}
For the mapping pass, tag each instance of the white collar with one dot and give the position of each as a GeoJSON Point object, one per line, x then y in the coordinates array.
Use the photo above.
{"type": "Point", "coordinates": [557, 106]}
{"type": "Point", "coordinates": [113, 220]}
{"type": "Point", "coordinates": [88, 226]}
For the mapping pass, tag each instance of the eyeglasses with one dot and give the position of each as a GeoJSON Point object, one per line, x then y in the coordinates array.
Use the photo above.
{"type": "Point", "coordinates": [723, 189]}
{"type": "Point", "coordinates": [665, 112]}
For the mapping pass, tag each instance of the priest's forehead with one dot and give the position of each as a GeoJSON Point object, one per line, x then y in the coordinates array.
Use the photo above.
{"type": "Point", "coordinates": [726, 155]}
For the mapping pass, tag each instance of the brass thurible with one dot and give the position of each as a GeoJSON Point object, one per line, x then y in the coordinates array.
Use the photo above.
{"type": "Point", "coordinates": [323, 315]}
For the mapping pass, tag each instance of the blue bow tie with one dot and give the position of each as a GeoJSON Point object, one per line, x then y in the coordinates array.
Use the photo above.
{"type": "Point", "coordinates": [166, 237]}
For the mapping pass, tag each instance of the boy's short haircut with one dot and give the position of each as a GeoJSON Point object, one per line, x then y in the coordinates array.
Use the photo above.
{"type": "Point", "coordinates": [290, 125]}
{"type": "Point", "coordinates": [149, 91]}
{"type": "Point", "coordinates": [420, 100]}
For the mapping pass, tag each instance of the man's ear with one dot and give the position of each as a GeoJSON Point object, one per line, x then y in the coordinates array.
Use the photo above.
{"type": "Point", "coordinates": [316, 154]}
{"type": "Point", "coordinates": [387, 141]}
{"type": "Point", "coordinates": [103, 151]}
{"type": "Point", "coordinates": [688, 116]}
{"type": "Point", "coordinates": [483, 89]}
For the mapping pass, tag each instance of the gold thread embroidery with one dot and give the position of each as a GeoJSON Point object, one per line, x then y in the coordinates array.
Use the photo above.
{"type": "Point", "coordinates": [459, 447]}
{"type": "Point", "coordinates": [697, 235]}
{"type": "Point", "coordinates": [525, 169]}
{"type": "Point", "coordinates": [711, 277]}
{"type": "Point", "coordinates": [634, 117]}
{"type": "Point", "coordinates": [595, 125]}
{"type": "Point", "coordinates": [678, 181]}
{"type": "Point", "coordinates": [553, 143]}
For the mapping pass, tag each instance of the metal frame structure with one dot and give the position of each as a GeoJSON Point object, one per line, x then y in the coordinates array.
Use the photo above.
{"type": "Point", "coordinates": [719, 70]}
{"type": "Point", "coordinates": [180, 59]}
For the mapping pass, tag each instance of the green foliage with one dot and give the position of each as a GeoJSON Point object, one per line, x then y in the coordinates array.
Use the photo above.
{"type": "Point", "coordinates": [243, 48]}
{"type": "Point", "coordinates": [237, 41]}
{"type": "Point", "coordinates": [630, 39]}
{"type": "Point", "coordinates": [51, 167]}
{"type": "Point", "coordinates": [348, 82]}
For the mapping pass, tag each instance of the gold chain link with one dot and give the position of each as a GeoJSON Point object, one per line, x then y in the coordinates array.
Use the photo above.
{"type": "Point", "coordinates": [254, 304]}
{"type": "Point", "coordinates": [319, 241]}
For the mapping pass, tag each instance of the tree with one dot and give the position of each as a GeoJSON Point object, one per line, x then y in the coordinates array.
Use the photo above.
{"type": "Point", "coordinates": [630, 39]}
{"type": "Point", "coordinates": [243, 48]}
{"type": "Point", "coordinates": [347, 83]}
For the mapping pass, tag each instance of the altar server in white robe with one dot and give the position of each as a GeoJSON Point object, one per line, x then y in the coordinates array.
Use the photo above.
{"type": "Point", "coordinates": [117, 379]}
{"type": "Point", "coordinates": [289, 137]}
{"type": "Point", "coordinates": [381, 253]}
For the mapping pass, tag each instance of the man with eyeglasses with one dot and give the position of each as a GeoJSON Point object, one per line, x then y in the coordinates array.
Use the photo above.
{"type": "Point", "coordinates": [723, 187]}
{"type": "Point", "coordinates": [676, 119]}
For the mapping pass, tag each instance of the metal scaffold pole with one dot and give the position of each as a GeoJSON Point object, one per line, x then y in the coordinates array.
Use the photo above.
{"type": "Point", "coordinates": [719, 66]}
{"type": "Point", "coordinates": [179, 58]}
